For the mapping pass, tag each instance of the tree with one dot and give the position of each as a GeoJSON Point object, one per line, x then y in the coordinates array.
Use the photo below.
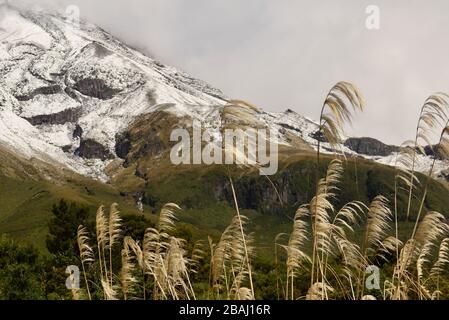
{"type": "Point", "coordinates": [61, 239]}
{"type": "Point", "coordinates": [19, 272]}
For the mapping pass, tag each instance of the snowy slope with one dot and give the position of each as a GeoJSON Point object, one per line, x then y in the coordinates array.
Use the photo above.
{"type": "Point", "coordinates": [63, 84]}
{"type": "Point", "coordinates": [50, 72]}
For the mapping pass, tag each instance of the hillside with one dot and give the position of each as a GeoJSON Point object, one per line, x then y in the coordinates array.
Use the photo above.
{"type": "Point", "coordinates": [86, 118]}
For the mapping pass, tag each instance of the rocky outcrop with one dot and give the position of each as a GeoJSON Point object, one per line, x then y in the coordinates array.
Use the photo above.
{"type": "Point", "coordinates": [370, 147]}
{"type": "Point", "coordinates": [52, 89]}
{"type": "Point", "coordinates": [257, 193]}
{"type": "Point", "coordinates": [78, 132]}
{"type": "Point", "coordinates": [95, 88]}
{"type": "Point", "coordinates": [319, 136]}
{"type": "Point", "coordinates": [122, 144]}
{"type": "Point", "coordinates": [433, 151]}
{"type": "Point", "coordinates": [147, 137]}
{"type": "Point", "coordinates": [68, 115]}
{"type": "Point", "coordinates": [91, 149]}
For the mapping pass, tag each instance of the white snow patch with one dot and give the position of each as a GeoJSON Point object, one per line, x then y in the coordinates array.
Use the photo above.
{"type": "Point", "coordinates": [16, 29]}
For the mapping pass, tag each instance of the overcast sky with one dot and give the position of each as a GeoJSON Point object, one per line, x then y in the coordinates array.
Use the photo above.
{"type": "Point", "coordinates": [287, 54]}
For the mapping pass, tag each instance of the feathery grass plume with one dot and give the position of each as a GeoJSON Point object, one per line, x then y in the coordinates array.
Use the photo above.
{"type": "Point", "coordinates": [245, 246]}
{"type": "Point", "coordinates": [320, 211]}
{"type": "Point", "coordinates": [237, 285]}
{"type": "Point", "coordinates": [377, 225]}
{"type": "Point", "coordinates": [387, 247]}
{"type": "Point", "coordinates": [441, 148]}
{"type": "Point", "coordinates": [164, 258]}
{"type": "Point", "coordinates": [153, 249]}
{"type": "Point", "coordinates": [221, 255]}
{"type": "Point", "coordinates": [229, 258]}
{"type": "Point", "coordinates": [340, 102]}
{"type": "Point", "coordinates": [219, 258]}
{"type": "Point", "coordinates": [352, 260]}
{"type": "Point", "coordinates": [167, 219]}
{"type": "Point", "coordinates": [404, 180]}
{"type": "Point", "coordinates": [431, 228]}
{"type": "Point", "coordinates": [86, 253]}
{"type": "Point", "coordinates": [238, 266]}
{"type": "Point", "coordinates": [336, 110]}
{"type": "Point", "coordinates": [341, 230]}
{"type": "Point", "coordinates": [244, 294]}
{"type": "Point", "coordinates": [415, 253]}
{"type": "Point", "coordinates": [127, 279]}
{"type": "Point", "coordinates": [433, 113]}
{"type": "Point", "coordinates": [440, 266]}
{"type": "Point", "coordinates": [102, 240]}
{"type": "Point", "coordinates": [348, 215]}
{"type": "Point", "coordinates": [316, 291]}
{"type": "Point", "coordinates": [422, 262]}
{"type": "Point", "coordinates": [196, 256]}
{"type": "Point", "coordinates": [296, 256]}
{"type": "Point", "coordinates": [114, 230]}
{"type": "Point", "coordinates": [109, 291]}
{"type": "Point", "coordinates": [136, 250]}
{"type": "Point", "coordinates": [442, 259]}
{"type": "Point", "coordinates": [176, 267]}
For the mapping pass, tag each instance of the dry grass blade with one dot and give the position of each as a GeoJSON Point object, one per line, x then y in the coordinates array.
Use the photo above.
{"type": "Point", "coordinates": [114, 230]}
{"type": "Point", "coordinates": [377, 224]}
{"type": "Point", "coordinates": [434, 113]}
{"type": "Point", "coordinates": [127, 279]}
{"type": "Point", "coordinates": [109, 292]}
{"type": "Point", "coordinates": [167, 218]}
{"type": "Point", "coordinates": [102, 240]}
{"type": "Point", "coordinates": [86, 253]}
{"type": "Point", "coordinates": [442, 259]}
{"type": "Point", "coordinates": [296, 255]}
{"type": "Point", "coordinates": [337, 109]}
{"type": "Point", "coordinates": [196, 257]}
{"type": "Point", "coordinates": [316, 291]}
{"type": "Point", "coordinates": [114, 225]}
{"type": "Point", "coordinates": [102, 227]}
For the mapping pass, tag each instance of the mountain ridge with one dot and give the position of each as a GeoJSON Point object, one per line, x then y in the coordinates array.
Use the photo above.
{"type": "Point", "coordinates": [68, 92]}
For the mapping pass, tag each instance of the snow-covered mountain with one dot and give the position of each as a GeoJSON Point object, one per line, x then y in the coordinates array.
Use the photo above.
{"type": "Point", "coordinates": [68, 90]}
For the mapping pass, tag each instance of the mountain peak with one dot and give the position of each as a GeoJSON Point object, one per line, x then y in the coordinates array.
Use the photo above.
{"type": "Point", "coordinates": [68, 89]}
{"type": "Point", "coordinates": [56, 75]}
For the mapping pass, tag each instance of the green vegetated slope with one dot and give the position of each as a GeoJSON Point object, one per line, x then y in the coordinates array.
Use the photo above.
{"type": "Point", "coordinates": [27, 195]}
{"type": "Point", "coordinates": [203, 192]}
{"type": "Point", "coordinates": [205, 195]}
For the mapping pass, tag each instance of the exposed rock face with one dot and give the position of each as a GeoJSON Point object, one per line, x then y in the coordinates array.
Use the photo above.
{"type": "Point", "coordinates": [257, 193]}
{"type": "Point", "coordinates": [146, 144]}
{"type": "Point", "coordinates": [95, 88]}
{"type": "Point", "coordinates": [433, 151]}
{"type": "Point", "coordinates": [147, 137]}
{"type": "Point", "coordinates": [319, 136]}
{"type": "Point", "coordinates": [152, 146]}
{"type": "Point", "coordinates": [287, 126]}
{"type": "Point", "coordinates": [78, 132]}
{"type": "Point", "coordinates": [91, 149]}
{"type": "Point", "coordinates": [52, 89]}
{"type": "Point", "coordinates": [69, 115]}
{"type": "Point", "coordinates": [123, 144]}
{"type": "Point", "coordinates": [370, 147]}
